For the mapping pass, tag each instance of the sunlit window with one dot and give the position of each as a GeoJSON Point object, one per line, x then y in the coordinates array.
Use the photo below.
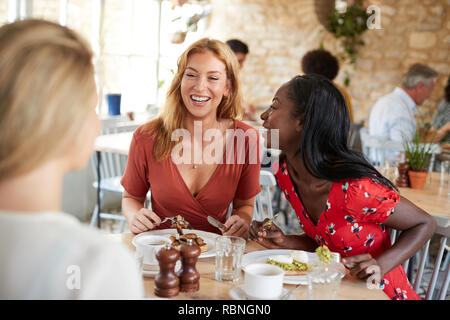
{"type": "Point", "coordinates": [134, 54]}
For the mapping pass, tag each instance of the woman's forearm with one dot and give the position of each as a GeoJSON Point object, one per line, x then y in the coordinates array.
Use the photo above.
{"type": "Point", "coordinates": [409, 242]}
{"type": "Point", "coordinates": [300, 242]}
{"type": "Point", "coordinates": [244, 212]}
{"type": "Point", "coordinates": [130, 207]}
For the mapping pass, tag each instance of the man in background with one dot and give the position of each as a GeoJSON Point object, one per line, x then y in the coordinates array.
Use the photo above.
{"type": "Point", "coordinates": [241, 51]}
{"type": "Point", "coordinates": [392, 116]}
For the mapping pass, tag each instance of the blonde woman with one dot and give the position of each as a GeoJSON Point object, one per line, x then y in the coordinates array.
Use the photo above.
{"type": "Point", "coordinates": [48, 125]}
{"type": "Point", "coordinates": [196, 157]}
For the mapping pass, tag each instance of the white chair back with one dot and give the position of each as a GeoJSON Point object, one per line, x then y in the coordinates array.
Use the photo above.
{"type": "Point", "coordinates": [440, 274]}
{"type": "Point", "coordinates": [264, 198]}
{"type": "Point", "coordinates": [112, 167]}
{"type": "Point", "coordinates": [439, 278]}
{"type": "Point", "coordinates": [112, 164]}
{"type": "Point", "coordinates": [378, 149]}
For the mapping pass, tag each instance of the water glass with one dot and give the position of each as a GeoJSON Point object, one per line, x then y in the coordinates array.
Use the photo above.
{"type": "Point", "coordinates": [323, 284]}
{"type": "Point", "coordinates": [229, 252]}
{"type": "Point", "coordinates": [445, 172]}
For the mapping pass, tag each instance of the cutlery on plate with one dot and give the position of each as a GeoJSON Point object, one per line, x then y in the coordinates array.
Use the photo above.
{"type": "Point", "coordinates": [288, 293]}
{"type": "Point", "coordinates": [216, 223]}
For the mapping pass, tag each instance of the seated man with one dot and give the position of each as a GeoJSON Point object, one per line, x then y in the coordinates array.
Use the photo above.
{"type": "Point", "coordinates": [392, 116]}
{"type": "Point", "coordinates": [441, 118]}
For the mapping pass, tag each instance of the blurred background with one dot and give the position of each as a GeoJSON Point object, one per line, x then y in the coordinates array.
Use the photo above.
{"type": "Point", "coordinates": [137, 43]}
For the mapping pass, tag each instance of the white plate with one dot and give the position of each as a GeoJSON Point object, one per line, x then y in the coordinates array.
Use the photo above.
{"type": "Point", "coordinates": [263, 255]}
{"type": "Point", "coordinates": [208, 237]}
{"type": "Point", "coordinates": [238, 293]}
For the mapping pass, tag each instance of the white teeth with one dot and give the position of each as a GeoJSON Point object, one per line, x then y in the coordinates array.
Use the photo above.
{"type": "Point", "coordinates": [200, 99]}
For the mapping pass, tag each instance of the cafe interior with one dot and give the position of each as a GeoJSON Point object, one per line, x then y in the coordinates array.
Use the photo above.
{"type": "Point", "coordinates": [377, 53]}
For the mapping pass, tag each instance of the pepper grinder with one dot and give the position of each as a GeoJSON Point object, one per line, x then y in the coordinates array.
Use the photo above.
{"type": "Point", "coordinates": [166, 281]}
{"type": "Point", "coordinates": [402, 180]}
{"type": "Point", "coordinates": [189, 276]}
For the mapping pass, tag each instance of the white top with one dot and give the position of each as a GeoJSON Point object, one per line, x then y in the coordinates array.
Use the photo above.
{"type": "Point", "coordinates": [51, 255]}
{"type": "Point", "coordinates": [392, 116]}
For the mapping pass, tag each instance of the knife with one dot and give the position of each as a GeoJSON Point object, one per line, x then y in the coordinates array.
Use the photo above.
{"type": "Point", "coordinates": [216, 223]}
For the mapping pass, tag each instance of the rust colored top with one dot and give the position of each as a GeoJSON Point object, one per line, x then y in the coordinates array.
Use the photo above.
{"type": "Point", "coordinates": [236, 178]}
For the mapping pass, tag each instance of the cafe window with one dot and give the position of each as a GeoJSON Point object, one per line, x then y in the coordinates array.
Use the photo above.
{"type": "Point", "coordinates": [134, 54]}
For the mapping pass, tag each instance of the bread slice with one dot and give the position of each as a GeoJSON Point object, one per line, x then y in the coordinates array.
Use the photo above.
{"type": "Point", "coordinates": [291, 269]}
{"type": "Point", "coordinates": [294, 272]}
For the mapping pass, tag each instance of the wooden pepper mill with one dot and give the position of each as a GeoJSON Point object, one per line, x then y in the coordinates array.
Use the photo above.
{"type": "Point", "coordinates": [189, 276]}
{"type": "Point", "coordinates": [166, 281]}
{"type": "Point", "coordinates": [403, 179]}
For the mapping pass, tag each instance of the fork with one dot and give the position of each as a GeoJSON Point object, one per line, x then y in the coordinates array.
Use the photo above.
{"type": "Point", "coordinates": [286, 295]}
{"type": "Point", "coordinates": [269, 222]}
{"type": "Point", "coordinates": [172, 219]}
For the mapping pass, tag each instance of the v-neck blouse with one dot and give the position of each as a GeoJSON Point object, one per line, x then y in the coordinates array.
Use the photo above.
{"type": "Point", "coordinates": [352, 222]}
{"type": "Point", "coordinates": [170, 195]}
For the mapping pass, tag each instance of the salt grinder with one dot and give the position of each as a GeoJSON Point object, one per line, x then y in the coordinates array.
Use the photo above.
{"type": "Point", "coordinates": [189, 276]}
{"type": "Point", "coordinates": [166, 281]}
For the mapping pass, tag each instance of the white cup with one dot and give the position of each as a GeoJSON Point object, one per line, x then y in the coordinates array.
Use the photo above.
{"type": "Point", "coordinates": [148, 246]}
{"type": "Point", "coordinates": [263, 281]}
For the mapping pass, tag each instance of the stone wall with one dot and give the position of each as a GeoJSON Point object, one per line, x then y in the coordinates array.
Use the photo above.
{"type": "Point", "coordinates": [280, 32]}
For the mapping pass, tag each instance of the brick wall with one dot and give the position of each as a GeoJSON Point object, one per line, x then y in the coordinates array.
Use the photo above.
{"type": "Point", "coordinates": [280, 32]}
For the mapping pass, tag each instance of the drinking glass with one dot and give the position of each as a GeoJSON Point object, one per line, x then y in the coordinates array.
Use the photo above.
{"type": "Point", "coordinates": [229, 251]}
{"type": "Point", "coordinates": [323, 284]}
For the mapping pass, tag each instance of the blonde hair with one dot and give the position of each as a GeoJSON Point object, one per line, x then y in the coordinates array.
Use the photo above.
{"type": "Point", "coordinates": [46, 82]}
{"type": "Point", "coordinates": [174, 111]}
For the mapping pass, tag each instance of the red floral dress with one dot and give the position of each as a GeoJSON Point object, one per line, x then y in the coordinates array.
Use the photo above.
{"type": "Point", "coordinates": [352, 223]}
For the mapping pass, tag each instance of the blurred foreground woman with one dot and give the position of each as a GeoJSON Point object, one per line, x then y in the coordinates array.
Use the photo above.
{"type": "Point", "coordinates": [48, 125]}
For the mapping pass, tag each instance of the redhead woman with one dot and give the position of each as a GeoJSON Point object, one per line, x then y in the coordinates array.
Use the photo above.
{"type": "Point", "coordinates": [196, 157]}
{"type": "Point", "coordinates": [341, 200]}
{"type": "Point", "coordinates": [48, 125]}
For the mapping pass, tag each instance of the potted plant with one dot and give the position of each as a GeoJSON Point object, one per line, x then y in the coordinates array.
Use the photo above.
{"type": "Point", "coordinates": [348, 25]}
{"type": "Point", "coordinates": [418, 155]}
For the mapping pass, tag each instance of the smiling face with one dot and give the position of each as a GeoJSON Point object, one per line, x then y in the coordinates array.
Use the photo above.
{"type": "Point", "coordinates": [204, 84]}
{"type": "Point", "coordinates": [279, 116]}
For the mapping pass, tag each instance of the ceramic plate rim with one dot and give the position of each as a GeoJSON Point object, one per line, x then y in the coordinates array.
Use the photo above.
{"type": "Point", "coordinates": [298, 279]}
{"type": "Point", "coordinates": [235, 296]}
{"type": "Point", "coordinates": [209, 238]}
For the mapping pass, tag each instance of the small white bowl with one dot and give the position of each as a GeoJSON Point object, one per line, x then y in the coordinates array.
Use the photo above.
{"type": "Point", "coordinates": [147, 247]}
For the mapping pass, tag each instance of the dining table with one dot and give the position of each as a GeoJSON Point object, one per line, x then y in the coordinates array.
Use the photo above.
{"type": "Point", "coordinates": [210, 289]}
{"type": "Point", "coordinates": [434, 198]}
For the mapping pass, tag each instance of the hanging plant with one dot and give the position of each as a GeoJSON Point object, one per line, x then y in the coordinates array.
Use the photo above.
{"type": "Point", "coordinates": [348, 26]}
{"type": "Point", "coordinates": [185, 25]}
